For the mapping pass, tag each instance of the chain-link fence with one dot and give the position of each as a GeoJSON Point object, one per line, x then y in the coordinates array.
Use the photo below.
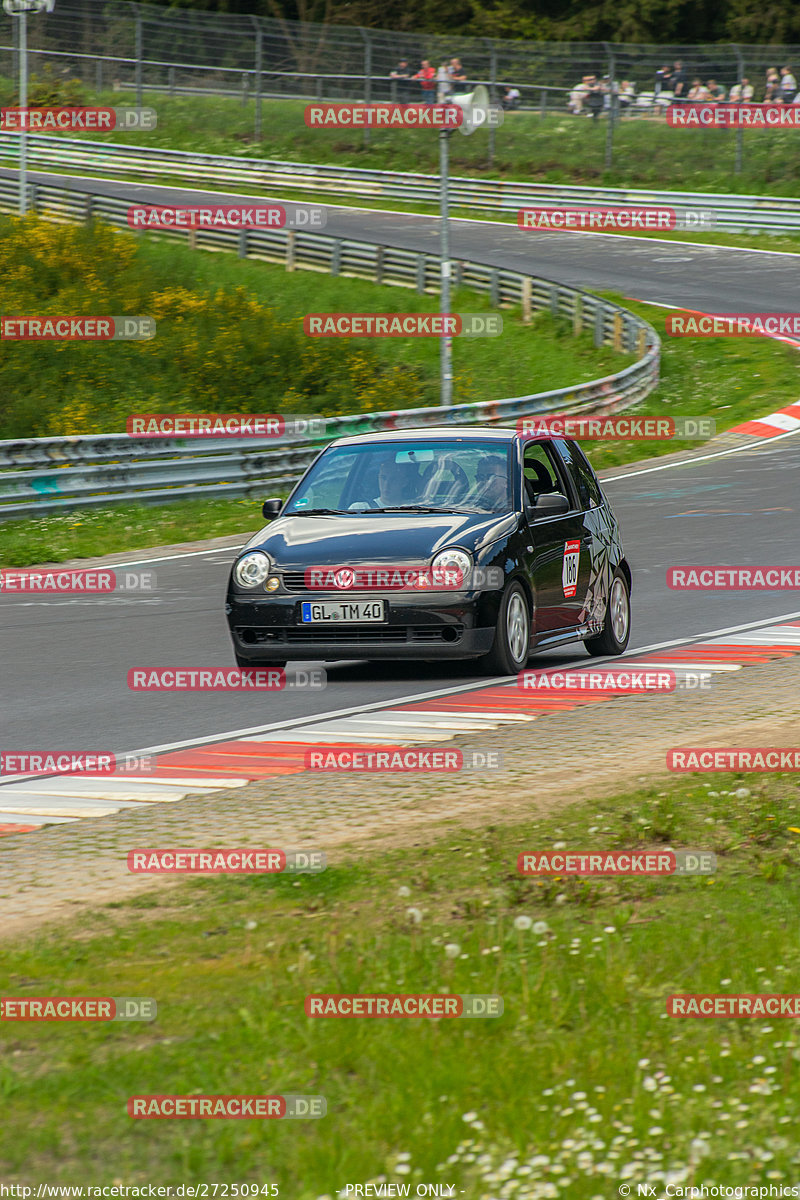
{"type": "Point", "coordinates": [125, 45]}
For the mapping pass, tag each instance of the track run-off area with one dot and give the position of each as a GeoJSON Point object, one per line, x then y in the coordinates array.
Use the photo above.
{"type": "Point", "coordinates": [733, 502]}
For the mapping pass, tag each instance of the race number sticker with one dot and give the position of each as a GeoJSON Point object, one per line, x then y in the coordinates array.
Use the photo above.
{"type": "Point", "coordinates": [569, 571]}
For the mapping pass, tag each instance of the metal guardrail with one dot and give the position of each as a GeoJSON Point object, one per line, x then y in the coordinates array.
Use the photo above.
{"type": "Point", "coordinates": [45, 475]}
{"type": "Point", "coordinates": [750, 214]}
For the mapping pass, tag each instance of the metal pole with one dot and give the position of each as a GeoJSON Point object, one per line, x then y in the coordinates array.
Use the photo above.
{"type": "Point", "coordinates": [138, 60]}
{"type": "Point", "coordinates": [739, 134]}
{"type": "Point", "coordinates": [612, 108]}
{"type": "Point", "coordinates": [367, 75]}
{"type": "Point", "coordinates": [446, 347]}
{"type": "Point", "coordinates": [23, 102]}
{"type": "Point", "coordinates": [492, 93]}
{"type": "Point", "coordinates": [259, 64]}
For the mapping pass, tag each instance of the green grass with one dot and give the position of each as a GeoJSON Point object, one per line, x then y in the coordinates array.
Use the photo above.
{"type": "Point", "coordinates": [583, 1081]}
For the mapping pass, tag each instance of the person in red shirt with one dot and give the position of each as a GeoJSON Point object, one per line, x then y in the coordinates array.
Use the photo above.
{"type": "Point", "coordinates": [427, 77]}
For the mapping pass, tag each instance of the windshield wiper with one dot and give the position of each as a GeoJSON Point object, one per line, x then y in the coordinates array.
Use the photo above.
{"type": "Point", "coordinates": [316, 512]}
{"type": "Point", "coordinates": [427, 508]}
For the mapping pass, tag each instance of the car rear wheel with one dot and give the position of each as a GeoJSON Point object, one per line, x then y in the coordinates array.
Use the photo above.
{"type": "Point", "coordinates": [241, 661]}
{"type": "Point", "coordinates": [512, 638]}
{"type": "Point", "coordinates": [617, 626]}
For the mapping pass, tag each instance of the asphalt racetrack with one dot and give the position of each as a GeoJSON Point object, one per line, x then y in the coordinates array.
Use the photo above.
{"type": "Point", "coordinates": [69, 656]}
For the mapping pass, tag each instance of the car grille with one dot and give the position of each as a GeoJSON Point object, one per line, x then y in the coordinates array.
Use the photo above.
{"type": "Point", "coordinates": [295, 581]}
{"type": "Point", "coordinates": [355, 635]}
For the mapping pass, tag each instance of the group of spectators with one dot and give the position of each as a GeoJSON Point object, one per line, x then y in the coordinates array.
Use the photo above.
{"type": "Point", "coordinates": [428, 83]}
{"type": "Point", "coordinates": [592, 95]}
{"type": "Point", "coordinates": [674, 85]}
{"type": "Point", "coordinates": [780, 87]}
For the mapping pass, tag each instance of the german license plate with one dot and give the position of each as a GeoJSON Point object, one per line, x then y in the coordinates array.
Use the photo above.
{"type": "Point", "coordinates": [342, 612]}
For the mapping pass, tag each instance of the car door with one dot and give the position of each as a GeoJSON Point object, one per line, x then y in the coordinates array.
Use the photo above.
{"type": "Point", "coordinates": [597, 564]}
{"type": "Point", "coordinates": [558, 545]}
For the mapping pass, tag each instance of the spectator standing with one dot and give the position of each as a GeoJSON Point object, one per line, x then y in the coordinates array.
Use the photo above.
{"type": "Point", "coordinates": [788, 88]}
{"type": "Point", "coordinates": [627, 94]}
{"type": "Point", "coordinates": [715, 90]}
{"type": "Point", "coordinates": [457, 75]}
{"type": "Point", "coordinates": [427, 79]}
{"type": "Point", "coordinates": [679, 81]}
{"type": "Point", "coordinates": [402, 73]}
{"type": "Point", "coordinates": [444, 85]}
{"type": "Point", "coordinates": [510, 99]}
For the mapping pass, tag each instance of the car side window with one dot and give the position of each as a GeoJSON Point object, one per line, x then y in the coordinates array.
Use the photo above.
{"type": "Point", "coordinates": [582, 474]}
{"type": "Point", "coordinates": [541, 474]}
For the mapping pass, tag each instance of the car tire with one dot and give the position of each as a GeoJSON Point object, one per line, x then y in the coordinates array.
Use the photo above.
{"type": "Point", "coordinates": [512, 637]}
{"type": "Point", "coordinates": [617, 623]}
{"type": "Point", "coordinates": [241, 661]}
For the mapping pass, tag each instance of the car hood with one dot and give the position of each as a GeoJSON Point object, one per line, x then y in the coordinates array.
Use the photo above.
{"type": "Point", "coordinates": [404, 538]}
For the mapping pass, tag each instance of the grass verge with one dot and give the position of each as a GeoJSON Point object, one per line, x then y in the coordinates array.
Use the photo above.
{"type": "Point", "coordinates": [731, 380]}
{"type": "Point", "coordinates": [583, 1081]}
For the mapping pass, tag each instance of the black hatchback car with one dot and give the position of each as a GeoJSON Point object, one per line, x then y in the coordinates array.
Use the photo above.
{"type": "Point", "coordinates": [431, 544]}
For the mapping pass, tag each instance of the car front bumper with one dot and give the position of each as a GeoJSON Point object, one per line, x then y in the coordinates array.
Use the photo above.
{"type": "Point", "coordinates": [268, 628]}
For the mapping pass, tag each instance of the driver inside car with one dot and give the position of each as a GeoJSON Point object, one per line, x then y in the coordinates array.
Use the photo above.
{"type": "Point", "coordinates": [490, 490]}
{"type": "Point", "coordinates": [398, 484]}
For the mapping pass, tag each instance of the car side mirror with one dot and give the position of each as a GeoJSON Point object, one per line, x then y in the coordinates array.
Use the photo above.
{"type": "Point", "coordinates": [550, 504]}
{"type": "Point", "coordinates": [270, 508]}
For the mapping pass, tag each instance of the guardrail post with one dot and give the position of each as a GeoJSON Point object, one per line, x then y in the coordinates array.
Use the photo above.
{"type": "Point", "coordinates": [34, 197]}
{"type": "Point", "coordinates": [599, 325]}
{"type": "Point", "coordinates": [139, 38]}
{"type": "Point", "coordinates": [171, 81]}
{"type": "Point", "coordinates": [336, 256]}
{"type": "Point", "coordinates": [290, 250]}
{"type": "Point", "coordinates": [543, 102]}
{"type": "Point", "coordinates": [88, 206]}
{"type": "Point", "coordinates": [577, 316]}
{"type": "Point", "coordinates": [421, 274]}
{"type": "Point", "coordinates": [494, 288]}
{"type": "Point", "coordinates": [617, 334]}
{"type": "Point", "coordinates": [379, 252]}
{"type": "Point", "coordinates": [458, 272]}
{"type": "Point", "coordinates": [525, 297]}
{"type": "Point", "coordinates": [554, 299]}
{"type": "Point", "coordinates": [242, 243]}
{"type": "Point", "coordinates": [192, 239]}
{"type": "Point", "coordinates": [641, 342]}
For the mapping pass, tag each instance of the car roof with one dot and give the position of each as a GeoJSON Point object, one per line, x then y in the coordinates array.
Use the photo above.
{"type": "Point", "coordinates": [471, 433]}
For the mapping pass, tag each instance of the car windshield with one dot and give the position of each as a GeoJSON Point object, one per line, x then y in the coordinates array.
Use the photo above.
{"type": "Point", "coordinates": [427, 476]}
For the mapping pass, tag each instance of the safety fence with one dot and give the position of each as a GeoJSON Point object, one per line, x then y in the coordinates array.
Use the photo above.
{"type": "Point", "coordinates": [734, 213]}
{"type": "Point", "coordinates": [45, 475]}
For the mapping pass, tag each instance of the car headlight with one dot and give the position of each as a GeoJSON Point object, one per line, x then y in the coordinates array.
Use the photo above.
{"type": "Point", "coordinates": [252, 569]}
{"type": "Point", "coordinates": [454, 560]}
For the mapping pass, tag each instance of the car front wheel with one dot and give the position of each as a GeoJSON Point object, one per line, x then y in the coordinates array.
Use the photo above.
{"type": "Point", "coordinates": [512, 638]}
{"type": "Point", "coordinates": [617, 625]}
